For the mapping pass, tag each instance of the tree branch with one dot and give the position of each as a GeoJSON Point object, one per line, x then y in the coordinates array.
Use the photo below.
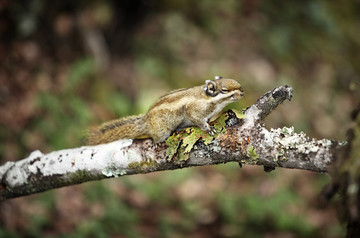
{"type": "Point", "coordinates": [245, 141]}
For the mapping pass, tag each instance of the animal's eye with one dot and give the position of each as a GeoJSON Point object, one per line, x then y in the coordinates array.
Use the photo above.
{"type": "Point", "coordinates": [224, 90]}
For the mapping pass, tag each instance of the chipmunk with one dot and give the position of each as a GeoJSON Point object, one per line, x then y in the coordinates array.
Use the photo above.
{"type": "Point", "coordinates": [173, 111]}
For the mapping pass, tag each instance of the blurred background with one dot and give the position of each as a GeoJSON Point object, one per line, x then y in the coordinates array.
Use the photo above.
{"type": "Point", "coordinates": [68, 65]}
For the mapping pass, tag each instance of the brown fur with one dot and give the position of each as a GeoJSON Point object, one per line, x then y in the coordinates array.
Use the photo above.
{"type": "Point", "coordinates": [175, 110]}
{"type": "Point", "coordinates": [124, 128]}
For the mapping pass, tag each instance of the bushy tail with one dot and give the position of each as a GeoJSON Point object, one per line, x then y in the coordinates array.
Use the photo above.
{"type": "Point", "coordinates": [124, 128]}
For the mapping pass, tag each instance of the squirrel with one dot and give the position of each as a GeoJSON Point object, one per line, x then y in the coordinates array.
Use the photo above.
{"type": "Point", "coordinates": [173, 111]}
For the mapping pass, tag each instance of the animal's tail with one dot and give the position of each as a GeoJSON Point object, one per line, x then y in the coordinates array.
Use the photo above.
{"type": "Point", "coordinates": [132, 127]}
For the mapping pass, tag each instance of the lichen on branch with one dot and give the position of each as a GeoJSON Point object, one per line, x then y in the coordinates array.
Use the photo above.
{"type": "Point", "coordinates": [240, 138]}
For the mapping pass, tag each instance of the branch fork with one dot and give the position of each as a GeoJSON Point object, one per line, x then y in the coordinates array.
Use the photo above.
{"type": "Point", "coordinates": [245, 141]}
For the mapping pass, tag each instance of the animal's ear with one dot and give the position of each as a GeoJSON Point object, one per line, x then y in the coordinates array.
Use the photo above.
{"type": "Point", "coordinates": [210, 88]}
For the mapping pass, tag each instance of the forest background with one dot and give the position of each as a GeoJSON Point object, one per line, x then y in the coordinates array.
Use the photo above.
{"type": "Point", "coordinates": [67, 65]}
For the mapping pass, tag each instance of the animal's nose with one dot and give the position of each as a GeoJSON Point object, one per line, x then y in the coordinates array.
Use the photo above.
{"type": "Point", "coordinates": [241, 92]}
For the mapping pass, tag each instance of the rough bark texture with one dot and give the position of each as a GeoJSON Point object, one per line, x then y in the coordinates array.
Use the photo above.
{"type": "Point", "coordinates": [245, 141]}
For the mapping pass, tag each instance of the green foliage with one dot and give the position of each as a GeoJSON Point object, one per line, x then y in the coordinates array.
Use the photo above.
{"type": "Point", "coordinates": [181, 143]}
{"type": "Point", "coordinates": [65, 114]}
{"type": "Point", "coordinates": [80, 71]}
{"type": "Point", "coordinates": [118, 217]}
{"type": "Point", "coordinates": [251, 153]}
{"type": "Point", "coordinates": [172, 143]}
{"type": "Point", "coordinates": [8, 234]}
{"type": "Point", "coordinates": [239, 114]}
{"type": "Point", "coordinates": [254, 215]}
{"type": "Point", "coordinates": [290, 35]}
{"type": "Point", "coordinates": [190, 140]}
{"type": "Point", "coordinates": [152, 191]}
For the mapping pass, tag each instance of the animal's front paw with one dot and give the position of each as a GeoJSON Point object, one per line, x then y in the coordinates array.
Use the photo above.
{"type": "Point", "coordinates": [155, 146]}
{"type": "Point", "coordinates": [209, 129]}
{"type": "Point", "coordinates": [212, 131]}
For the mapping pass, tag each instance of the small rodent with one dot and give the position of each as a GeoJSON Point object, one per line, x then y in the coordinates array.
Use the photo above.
{"type": "Point", "coordinates": [173, 111]}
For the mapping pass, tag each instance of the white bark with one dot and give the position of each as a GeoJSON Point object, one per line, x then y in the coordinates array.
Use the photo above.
{"type": "Point", "coordinates": [245, 141]}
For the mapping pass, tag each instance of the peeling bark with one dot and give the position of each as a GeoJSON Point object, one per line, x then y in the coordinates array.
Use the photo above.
{"type": "Point", "coordinates": [245, 141]}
